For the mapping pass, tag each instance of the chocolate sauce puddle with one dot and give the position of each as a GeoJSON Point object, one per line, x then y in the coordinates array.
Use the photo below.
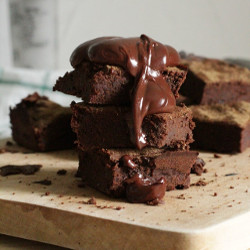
{"type": "Point", "coordinates": [145, 59]}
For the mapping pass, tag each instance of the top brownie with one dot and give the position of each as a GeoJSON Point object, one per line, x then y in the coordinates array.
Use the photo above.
{"type": "Point", "coordinates": [212, 81]}
{"type": "Point", "coordinates": [108, 84]}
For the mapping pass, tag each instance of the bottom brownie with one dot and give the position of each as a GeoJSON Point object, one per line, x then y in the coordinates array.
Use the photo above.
{"type": "Point", "coordinates": [140, 176]}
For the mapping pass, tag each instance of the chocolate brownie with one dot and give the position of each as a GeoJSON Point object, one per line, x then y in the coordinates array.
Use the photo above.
{"type": "Point", "coordinates": [111, 127]}
{"type": "Point", "coordinates": [108, 84]}
{"type": "Point", "coordinates": [214, 81]}
{"type": "Point", "coordinates": [222, 127]}
{"type": "Point", "coordinates": [41, 125]}
{"type": "Point", "coordinates": [112, 171]}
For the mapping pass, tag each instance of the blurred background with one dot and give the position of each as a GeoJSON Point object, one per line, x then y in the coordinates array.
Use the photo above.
{"type": "Point", "coordinates": [43, 33]}
{"type": "Point", "coordinates": [37, 37]}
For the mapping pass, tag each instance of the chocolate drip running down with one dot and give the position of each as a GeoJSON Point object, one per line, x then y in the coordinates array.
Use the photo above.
{"type": "Point", "coordinates": [146, 60]}
{"type": "Point", "coordinates": [141, 189]}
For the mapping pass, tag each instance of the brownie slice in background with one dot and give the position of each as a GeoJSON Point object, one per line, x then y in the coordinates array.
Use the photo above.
{"type": "Point", "coordinates": [212, 81]}
{"type": "Point", "coordinates": [104, 169]}
{"type": "Point", "coordinates": [111, 126]}
{"type": "Point", "coordinates": [106, 84]}
{"type": "Point", "coordinates": [222, 127]}
{"type": "Point", "coordinates": [41, 125]}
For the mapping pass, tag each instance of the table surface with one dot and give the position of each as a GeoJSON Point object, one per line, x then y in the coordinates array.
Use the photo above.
{"type": "Point", "coordinates": [209, 213]}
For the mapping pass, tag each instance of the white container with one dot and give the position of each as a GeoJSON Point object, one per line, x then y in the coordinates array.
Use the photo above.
{"type": "Point", "coordinates": [33, 31]}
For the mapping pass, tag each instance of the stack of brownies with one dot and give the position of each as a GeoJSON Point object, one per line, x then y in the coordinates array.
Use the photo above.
{"type": "Point", "coordinates": [133, 140]}
{"type": "Point", "coordinates": [220, 104]}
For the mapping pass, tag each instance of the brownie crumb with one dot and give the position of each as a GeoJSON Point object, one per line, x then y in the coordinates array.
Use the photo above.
{"type": "Point", "coordinates": [205, 170]}
{"type": "Point", "coordinates": [199, 183]}
{"type": "Point", "coordinates": [43, 182]}
{"type": "Point", "coordinates": [198, 166]}
{"type": "Point", "coordinates": [229, 205]}
{"type": "Point", "coordinates": [118, 208]}
{"type": "Point", "coordinates": [231, 174]}
{"type": "Point", "coordinates": [92, 201]}
{"type": "Point", "coordinates": [47, 193]}
{"type": "Point", "coordinates": [217, 156]}
{"type": "Point", "coordinates": [6, 150]}
{"type": "Point", "coordinates": [19, 169]}
{"type": "Point", "coordinates": [215, 194]}
{"type": "Point", "coordinates": [62, 172]}
{"type": "Point", "coordinates": [9, 143]}
{"type": "Point", "coordinates": [231, 187]}
{"type": "Point", "coordinates": [154, 202]}
{"type": "Point", "coordinates": [181, 197]}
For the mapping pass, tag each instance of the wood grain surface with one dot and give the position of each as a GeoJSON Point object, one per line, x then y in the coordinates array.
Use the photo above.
{"type": "Point", "coordinates": [214, 216]}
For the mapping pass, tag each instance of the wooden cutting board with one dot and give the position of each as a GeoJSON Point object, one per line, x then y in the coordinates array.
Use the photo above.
{"type": "Point", "coordinates": [214, 216]}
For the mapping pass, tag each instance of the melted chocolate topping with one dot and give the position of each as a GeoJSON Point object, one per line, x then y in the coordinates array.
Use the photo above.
{"type": "Point", "coordinates": [145, 59]}
{"type": "Point", "coordinates": [128, 161]}
{"type": "Point", "coordinates": [141, 189]}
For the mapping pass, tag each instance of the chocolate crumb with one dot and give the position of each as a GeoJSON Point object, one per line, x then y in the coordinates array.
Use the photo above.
{"type": "Point", "coordinates": [199, 183]}
{"type": "Point", "coordinates": [47, 193]}
{"type": "Point", "coordinates": [118, 208]}
{"type": "Point", "coordinates": [154, 202]}
{"type": "Point", "coordinates": [92, 201]}
{"type": "Point", "coordinates": [215, 194]}
{"type": "Point", "coordinates": [217, 156]}
{"type": "Point", "coordinates": [9, 143]}
{"type": "Point", "coordinates": [197, 168]}
{"type": "Point", "coordinates": [229, 205]}
{"type": "Point", "coordinates": [2, 150]}
{"type": "Point", "coordinates": [205, 170]}
{"type": "Point", "coordinates": [62, 172]}
{"type": "Point", "coordinates": [181, 197]}
{"type": "Point", "coordinates": [183, 211]}
{"type": "Point", "coordinates": [6, 150]}
{"type": "Point", "coordinates": [231, 174]}
{"type": "Point", "coordinates": [231, 187]}
{"type": "Point", "coordinates": [19, 169]}
{"type": "Point", "coordinates": [43, 182]}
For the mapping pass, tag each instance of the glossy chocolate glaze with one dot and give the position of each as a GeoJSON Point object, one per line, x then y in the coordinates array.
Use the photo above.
{"type": "Point", "coordinates": [146, 60]}
{"type": "Point", "coordinates": [140, 189]}
{"type": "Point", "coordinates": [148, 190]}
{"type": "Point", "coordinates": [127, 161]}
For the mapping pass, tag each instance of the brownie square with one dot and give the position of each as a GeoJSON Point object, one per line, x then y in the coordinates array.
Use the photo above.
{"type": "Point", "coordinates": [212, 81]}
{"type": "Point", "coordinates": [103, 169]}
{"type": "Point", "coordinates": [222, 127]}
{"type": "Point", "coordinates": [109, 84]}
{"type": "Point", "coordinates": [41, 125]}
{"type": "Point", "coordinates": [109, 127]}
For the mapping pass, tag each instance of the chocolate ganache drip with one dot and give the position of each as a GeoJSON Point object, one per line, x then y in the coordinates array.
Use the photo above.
{"type": "Point", "coordinates": [146, 60]}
